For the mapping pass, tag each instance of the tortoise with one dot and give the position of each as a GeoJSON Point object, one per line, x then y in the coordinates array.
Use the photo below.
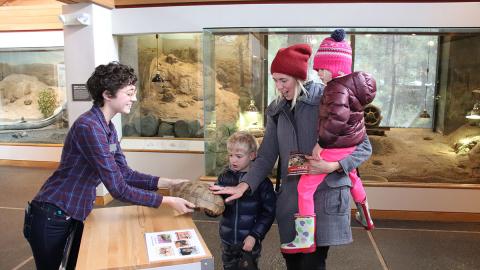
{"type": "Point", "coordinates": [198, 193]}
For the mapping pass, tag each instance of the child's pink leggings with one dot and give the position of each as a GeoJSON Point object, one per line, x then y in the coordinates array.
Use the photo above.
{"type": "Point", "coordinates": [309, 182]}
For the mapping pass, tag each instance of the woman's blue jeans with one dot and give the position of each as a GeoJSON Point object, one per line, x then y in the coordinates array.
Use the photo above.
{"type": "Point", "coordinates": [47, 229]}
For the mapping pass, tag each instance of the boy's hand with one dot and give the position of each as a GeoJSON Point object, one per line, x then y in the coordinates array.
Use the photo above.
{"type": "Point", "coordinates": [248, 243]}
{"type": "Point", "coordinates": [180, 205]}
{"type": "Point", "coordinates": [316, 152]}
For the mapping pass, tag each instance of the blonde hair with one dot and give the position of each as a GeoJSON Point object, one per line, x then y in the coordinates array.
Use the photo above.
{"type": "Point", "coordinates": [242, 139]}
{"type": "Point", "coordinates": [298, 89]}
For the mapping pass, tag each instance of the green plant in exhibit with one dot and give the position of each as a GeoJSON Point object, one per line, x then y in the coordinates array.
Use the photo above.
{"type": "Point", "coordinates": [47, 101]}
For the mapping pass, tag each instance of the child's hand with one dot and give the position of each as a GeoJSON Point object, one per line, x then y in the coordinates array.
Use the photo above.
{"type": "Point", "coordinates": [248, 243]}
{"type": "Point", "coordinates": [316, 152]}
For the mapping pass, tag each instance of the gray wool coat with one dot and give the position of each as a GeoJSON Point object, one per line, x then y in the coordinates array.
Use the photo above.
{"type": "Point", "coordinates": [298, 132]}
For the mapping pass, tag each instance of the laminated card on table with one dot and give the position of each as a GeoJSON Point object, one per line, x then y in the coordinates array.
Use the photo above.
{"type": "Point", "coordinates": [169, 245]}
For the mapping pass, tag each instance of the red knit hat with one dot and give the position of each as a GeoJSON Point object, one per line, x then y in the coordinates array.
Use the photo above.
{"type": "Point", "coordinates": [334, 54]}
{"type": "Point", "coordinates": [292, 61]}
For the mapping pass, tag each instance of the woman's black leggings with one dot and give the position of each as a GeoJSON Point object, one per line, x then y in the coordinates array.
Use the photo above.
{"type": "Point", "coordinates": [307, 261]}
{"type": "Point", "coordinates": [47, 229]}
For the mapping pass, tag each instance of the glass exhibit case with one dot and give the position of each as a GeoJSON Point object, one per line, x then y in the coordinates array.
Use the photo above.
{"type": "Point", "coordinates": [170, 85]}
{"type": "Point", "coordinates": [32, 95]}
{"type": "Point", "coordinates": [424, 124]}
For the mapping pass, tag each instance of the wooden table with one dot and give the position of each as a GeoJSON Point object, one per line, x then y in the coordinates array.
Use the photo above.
{"type": "Point", "coordinates": [114, 238]}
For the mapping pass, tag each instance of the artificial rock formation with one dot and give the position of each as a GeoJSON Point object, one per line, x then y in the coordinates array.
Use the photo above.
{"type": "Point", "coordinates": [420, 155]}
{"type": "Point", "coordinates": [178, 97]}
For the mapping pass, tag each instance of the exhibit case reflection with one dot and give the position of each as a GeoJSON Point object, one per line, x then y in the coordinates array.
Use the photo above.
{"type": "Point", "coordinates": [32, 95]}
{"type": "Point", "coordinates": [423, 124]}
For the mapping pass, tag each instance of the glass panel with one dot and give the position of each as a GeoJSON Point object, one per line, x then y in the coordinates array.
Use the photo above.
{"type": "Point", "coordinates": [32, 95]}
{"type": "Point", "coordinates": [404, 67]}
{"type": "Point", "coordinates": [235, 77]}
{"type": "Point", "coordinates": [427, 84]}
{"type": "Point", "coordinates": [170, 85]}
{"type": "Point", "coordinates": [278, 41]}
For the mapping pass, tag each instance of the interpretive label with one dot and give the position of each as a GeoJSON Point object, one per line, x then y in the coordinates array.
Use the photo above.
{"type": "Point", "coordinates": [80, 93]}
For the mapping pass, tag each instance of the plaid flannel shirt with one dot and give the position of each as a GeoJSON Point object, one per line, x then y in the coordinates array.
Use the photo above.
{"type": "Point", "coordinates": [91, 154]}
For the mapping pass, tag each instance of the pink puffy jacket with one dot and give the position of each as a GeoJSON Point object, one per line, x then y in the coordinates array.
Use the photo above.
{"type": "Point", "coordinates": [341, 122]}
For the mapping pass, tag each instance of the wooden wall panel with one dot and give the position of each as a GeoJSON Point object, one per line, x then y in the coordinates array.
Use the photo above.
{"type": "Point", "coordinates": [30, 18]}
{"type": "Point", "coordinates": [26, 2]}
{"type": "Point", "coordinates": [138, 3]}
{"type": "Point", "coordinates": [182, 2]}
{"type": "Point", "coordinates": [104, 3]}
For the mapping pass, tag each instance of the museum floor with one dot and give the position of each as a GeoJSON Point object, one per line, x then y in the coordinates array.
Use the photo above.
{"type": "Point", "coordinates": [394, 245]}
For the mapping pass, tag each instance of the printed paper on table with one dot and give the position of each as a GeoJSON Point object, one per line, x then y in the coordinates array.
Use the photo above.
{"type": "Point", "coordinates": [169, 245]}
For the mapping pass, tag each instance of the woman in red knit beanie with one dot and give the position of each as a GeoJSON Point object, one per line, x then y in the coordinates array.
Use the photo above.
{"type": "Point", "coordinates": [292, 123]}
{"type": "Point", "coordinates": [289, 71]}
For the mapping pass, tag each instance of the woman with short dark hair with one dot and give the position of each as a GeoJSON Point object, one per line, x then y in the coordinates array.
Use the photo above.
{"type": "Point", "coordinates": [91, 155]}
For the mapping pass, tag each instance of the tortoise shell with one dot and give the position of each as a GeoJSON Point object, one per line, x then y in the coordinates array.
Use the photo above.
{"type": "Point", "coordinates": [198, 193]}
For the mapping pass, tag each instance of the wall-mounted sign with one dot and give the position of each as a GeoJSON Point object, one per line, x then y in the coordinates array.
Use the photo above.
{"type": "Point", "coordinates": [80, 93]}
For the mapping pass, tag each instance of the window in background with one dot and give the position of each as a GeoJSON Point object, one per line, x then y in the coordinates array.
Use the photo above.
{"type": "Point", "coordinates": [426, 79]}
{"type": "Point", "coordinates": [277, 41]}
{"type": "Point", "coordinates": [405, 70]}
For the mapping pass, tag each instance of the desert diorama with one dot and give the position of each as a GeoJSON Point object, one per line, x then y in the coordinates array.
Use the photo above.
{"type": "Point", "coordinates": [440, 148]}
{"type": "Point", "coordinates": [171, 101]}
{"type": "Point", "coordinates": [192, 89]}
{"type": "Point", "coordinates": [32, 97]}
{"type": "Point", "coordinates": [439, 137]}
{"type": "Point", "coordinates": [419, 155]}
{"type": "Point", "coordinates": [432, 139]}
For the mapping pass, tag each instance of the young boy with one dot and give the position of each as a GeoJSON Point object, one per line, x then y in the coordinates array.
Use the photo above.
{"type": "Point", "coordinates": [245, 221]}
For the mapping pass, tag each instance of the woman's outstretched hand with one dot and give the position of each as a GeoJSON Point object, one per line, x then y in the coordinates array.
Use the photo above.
{"type": "Point", "coordinates": [234, 192]}
{"type": "Point", "coordinates": [182, 206]}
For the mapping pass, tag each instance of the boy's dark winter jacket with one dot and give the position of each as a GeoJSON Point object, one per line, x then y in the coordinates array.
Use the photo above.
{"type": "Point", "coordinates": [252, 214]}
